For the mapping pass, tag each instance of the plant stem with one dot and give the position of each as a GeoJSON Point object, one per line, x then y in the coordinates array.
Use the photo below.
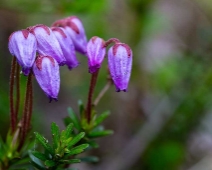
{"type": "Point", "coordinates": [17, 93]}
{"type": "Point", "coordinates": [111, 40]}
{"type": "Point", "coordinates": [101, 94]}
{"type": "Point", "coordinates": [26, 111]}
{"type": "Point", "coordinates": [90, 95]}
{"type": "Point", "coordinates": [12, 80]}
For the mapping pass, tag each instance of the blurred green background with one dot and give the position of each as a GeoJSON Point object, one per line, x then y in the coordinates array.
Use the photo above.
{"type": "Point", "coordinates": [164, 120]}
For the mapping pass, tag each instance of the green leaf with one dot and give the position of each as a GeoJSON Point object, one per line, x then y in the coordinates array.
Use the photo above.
{"type": "Point", "coordinates": [39, 155]}
{"type": "Point", "coordinates": [101, 118]}
{"type": "Point", "coordinates": [96, 134]}
{"type": "Point", "coordinates": [92, 159]}
{"type": "Point", "coordinates": [71, 161]}
{"type": "Point", "coordinates": [50, 163]}
{"type": "Point", "coordinates": [63, 136]}
{"type": "Point", "coordinates": [76, 139]}
{"type": "Point", "coordinates": [35, 161]}
{"type": "Point", "coordinates": [55, 134]}
{"type": "Point", "coordinates": [69, 130]}
{"type": "Point", "coordinates": [74, 118]}
{"type": "Point", "coordinates": [78, 149]}
{"type": "Point", "coordinates": [44, 142]}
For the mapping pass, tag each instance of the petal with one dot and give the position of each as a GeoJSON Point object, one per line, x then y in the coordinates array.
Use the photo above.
{"type": "Point", "coordinates": [76, 32]}
{"type": "Point", "coordinates": [120, 65]}
{"type": "Point", "coordinates": [67, 47]}
{"type": "Point", "coordinates": [95, 52]}
{"type": "Point", "coordinates": [23, 45]}
{"type": "Point", "coordinates": [47, 43]}
{"type": "Point", "coordinates": [46, 71]}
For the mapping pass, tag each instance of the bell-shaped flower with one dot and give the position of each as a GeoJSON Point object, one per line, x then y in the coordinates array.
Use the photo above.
{"type": "Point", "coordinates": [46, 71]}
{"type": "Point", "coordinates": [67, 47]}
{"type": "Point", "coordinates": [75, 30]}
{"type": "Point", "coordinates": [95, 52]}
{"type": "Point", "coordinates": [120, 65]}
{"type": "Point", "coordinates": [23, 45]}
{"type": "Point", "coordinates": [47, 43]}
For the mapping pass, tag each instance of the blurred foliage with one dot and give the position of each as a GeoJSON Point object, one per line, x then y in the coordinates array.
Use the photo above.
{"type": "Point", "coordinates": [190, 85]}
{"type": "Point", "coordinates": [54, 6]}
{"type": "Point", "coordinates": [186, 78]}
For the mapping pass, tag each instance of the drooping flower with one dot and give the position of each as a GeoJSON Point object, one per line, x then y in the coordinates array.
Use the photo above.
{"type": "Point", "coordinates": [23, 45]}
{"type": "Point", "coordinates": [95, 52]}
{"type": "Point", "coordinates": [47, 43]}
{"type": "Point", "coordinates": [120, 65]}
{"type": "Point", "coordinates": [46, 71]}
{"type": "Point", "coordinates": [67, 47]}
{"type": "Point", "coordinates": [75, 30]}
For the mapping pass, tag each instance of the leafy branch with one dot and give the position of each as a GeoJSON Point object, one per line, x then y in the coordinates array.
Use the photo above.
{"type": "Point", "coordinates": [61, 152]}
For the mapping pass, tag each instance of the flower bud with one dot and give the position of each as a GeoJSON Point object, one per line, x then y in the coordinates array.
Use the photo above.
{"type": "Point", "coordinates": [67, 47]}
{"type": "Point", "coordinates": [46, 71]}
{"type": "Point", "coordinates": [23, 45]}
{"type": "Point", "coordinates": [95, 52]}
{"type": "Point", "coordinates": [47, 43]}
{"type": "Point", "coordinates": [75, 30]}
{"type": "Point", "coordinates": [120, 65]}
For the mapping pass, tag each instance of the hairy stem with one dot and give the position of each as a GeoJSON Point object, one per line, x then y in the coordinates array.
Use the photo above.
{"type": "Point", "coordinates": [90, 95]}
{"type": "Point", "coordinates": [111, 40]}
{"type": "Point", "coordinates": [12, 80]}
{"type": "Point", "coordinates": [17, 92]}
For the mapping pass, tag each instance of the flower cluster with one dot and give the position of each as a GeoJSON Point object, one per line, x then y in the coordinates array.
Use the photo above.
{"type": "Point", "coordinates": [42, 50]}
{"type": "Point", "coordinates": [119, 60]}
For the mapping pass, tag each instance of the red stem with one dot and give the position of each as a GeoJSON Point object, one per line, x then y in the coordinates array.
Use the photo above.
{"type": "Point", "coordinates": [17, 93]}
{"type": "Point", "coordinates": [90, 95]}
{"type": "Point", "coordinates": [12, 80]}
{"type": "Point", "coordinates": [111, 40]}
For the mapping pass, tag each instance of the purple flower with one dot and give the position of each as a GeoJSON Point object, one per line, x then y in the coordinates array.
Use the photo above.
{"type": "Point", "coordinates": [67, 47]}
{"type": "Point", "coordinates": [95, 52]}
{"type": "Point", "coordinates": [23, 45]}
{"type": "Point", "coordinates": [75, 30]}
{"type": "Point", "coordinates": [47, 43]}
{"type": "Point", "coordinates": [120, 65]}
{"type": "Point", "coordinates": [46, 71]}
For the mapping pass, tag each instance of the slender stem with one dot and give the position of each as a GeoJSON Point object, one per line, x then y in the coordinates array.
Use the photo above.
{"type": "Point", "coordinates": [17, 93]}
{"type": "Point", "coordinates": [12, 80]}
{"type": "Point", "coordinates": [111, 40]}
{"type": "Point", "coordinates": [101, 94]}
{"type": "Point", "coordinates": [90, 95]}
{"type": "Point", "coordinates": [26, 111]}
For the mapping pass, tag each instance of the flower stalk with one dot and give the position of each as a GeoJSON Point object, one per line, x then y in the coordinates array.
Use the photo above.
{"type": "Point", "coordinates": [17, 105]}
{"type": "Point", "coordinates": [12, 81]}
{"type": "Point", "coordinates": [90, 95]}
{"type": "Point", "coordinates": [111, 40]}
